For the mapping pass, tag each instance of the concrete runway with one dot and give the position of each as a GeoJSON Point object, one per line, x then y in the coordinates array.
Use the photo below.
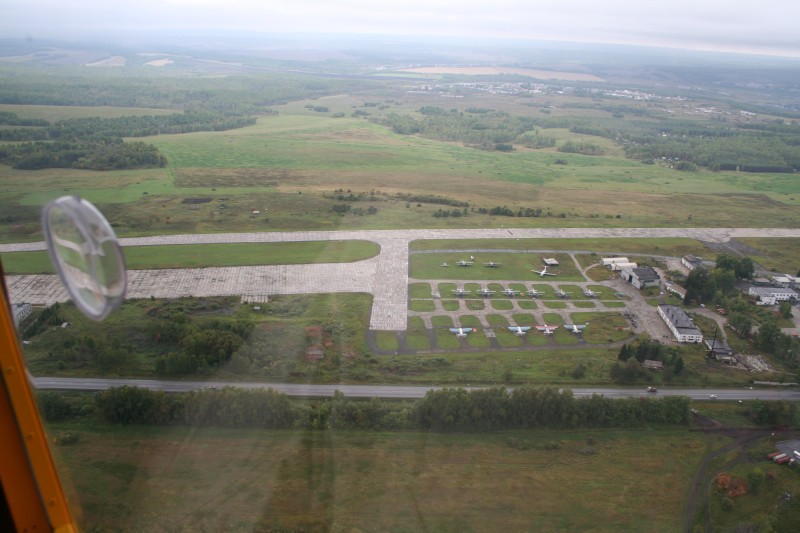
{"type": "Point", "coordinates": [384, 276]}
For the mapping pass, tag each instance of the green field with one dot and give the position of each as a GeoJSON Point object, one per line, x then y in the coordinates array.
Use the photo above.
{"type": "Point", "coordinates": [514, 266]}
{"type": "Point", "coordinates": [148, 478]}
{"type": "Point", "coordinates": [286, 163]}
{"type": "Point", "coordinates": [213, 255]}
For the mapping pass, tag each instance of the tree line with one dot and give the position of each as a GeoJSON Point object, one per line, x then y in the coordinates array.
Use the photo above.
{"type": "Point", "coordinates": [96, 143]}
{"type": "Point", "coordinates": [87, 154]}
{"type": "Point", "coordinates": [242, 95]}
{"type": "Point", "coordinates": [128, 126]}
{"type": "Point", "coordinates": [448, 409]}
{"type": "Point", "coordinates": [628, 368]}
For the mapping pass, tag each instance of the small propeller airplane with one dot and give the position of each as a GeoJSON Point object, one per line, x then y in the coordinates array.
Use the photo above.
{"type": "Point", "coordinates": [575, 328]}
{"type": "Point", "coordinates": [534, 293]}
{"type": "Point", "coordinates": [464, 263]}
{"type": "Point", "coordinates": [461, 292]}
{"type": "Point", "coordinates": [547, 330]}
{"type": "Point", "coordinates": [461, 332]}
{"type": "Point", "coordinates": [543, 272]}
{"type": "Point", "coordinates": [492, 264]}
{"type": "Point", "coordinates": [589, 292]}
{"type": "Point", "coordinates": [510, 292]}
{"type": "Point", "coordinates": [519, 330]}
{"type": "Point", "coordinates": [561, 293]}
{"type": "Point", "coordinates": [444, 265]}
{"type": "Point", "coordinates": [485, 292]}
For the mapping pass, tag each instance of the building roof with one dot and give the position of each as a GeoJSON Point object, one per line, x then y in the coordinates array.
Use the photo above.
{"type": "Point", "coordinates": [550, 261]}
{"type": "Point", "coordinates": [718, 346]}
{"type": "Point", "coordinates": [656, 365]}
{"type": "Point", "coordinates": [678, 317]}
{"type": "Point", "coordinates": [771, 291]}
{"type": "Point", "coordinates": [646, 274]}
{"type": "Point", "coordinates": [692, 259]}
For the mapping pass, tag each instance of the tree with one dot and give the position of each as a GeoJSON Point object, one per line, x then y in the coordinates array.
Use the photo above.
{"type": "Point", "coordinates": [724, 281]}
{"type": "Point", "coordinates": [744, 268]}
{"type": "Point", "coordinates": [726, 262]}
{"type": "Point", "coordinates": [785, 309]}
{"type": "Point", "coordinates": [625, 353]}
{"type": "Point", "coordinates": [768, 333]}
{"type": "Point", "coordinates": [741, 324]}
{"type": "Point", "coordinates": [699, 289]}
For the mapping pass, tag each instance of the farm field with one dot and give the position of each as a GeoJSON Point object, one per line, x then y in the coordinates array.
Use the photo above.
{"type": "Point", "coordinates": [151, 478]}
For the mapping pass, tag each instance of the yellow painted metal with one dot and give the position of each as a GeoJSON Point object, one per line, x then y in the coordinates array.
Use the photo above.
{"type": "Point", "coordinates": [28, 474]}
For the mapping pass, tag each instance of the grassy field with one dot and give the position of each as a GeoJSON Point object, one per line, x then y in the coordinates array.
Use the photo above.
{"type": "Point", "coordinates": [595, 247]}
{"type": "Point", "coordinates": [213, 255]}
{"type": "Point", "coordinates": [146, 478]}
{"type": "Point", "coordinates": [515, 266]}
{"type": "Point", "coordinates": [778, 255]}
{"type": "Point", "coordinates": [286, 162]}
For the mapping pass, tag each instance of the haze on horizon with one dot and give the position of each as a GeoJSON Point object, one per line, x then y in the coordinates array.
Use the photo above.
{"type": "Point", "coordinates": [737, 26]}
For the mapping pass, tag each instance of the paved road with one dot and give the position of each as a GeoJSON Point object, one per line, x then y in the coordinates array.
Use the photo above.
{"type": "Point", "coordinates": [385, 276]}
{"type": "Point", "coordinates": [392, 391]}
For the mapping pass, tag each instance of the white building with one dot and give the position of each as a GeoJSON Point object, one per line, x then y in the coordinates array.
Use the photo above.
{"type": "Point", "coordinates": [691, 261]}
{"type": "Point", "coordinates": [607, 261]}
{"type": "Point", "coordinates": [641, 277]}
{"type": "Point", "coordinates": [772, 295]}
{"type": "Point", "coordinates": [622, 266]}
{"type": "Point", "coordinates": [786, 281]}
{"type": "Point", "coordinates": [679, 323]}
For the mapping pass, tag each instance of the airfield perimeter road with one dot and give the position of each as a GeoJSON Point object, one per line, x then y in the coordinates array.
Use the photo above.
{"type": "Point", "coordinates": [384, 276]}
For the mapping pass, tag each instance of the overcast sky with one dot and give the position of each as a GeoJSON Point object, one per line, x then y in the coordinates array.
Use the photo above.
{"type": "Point", "coordinates": [764, 27]}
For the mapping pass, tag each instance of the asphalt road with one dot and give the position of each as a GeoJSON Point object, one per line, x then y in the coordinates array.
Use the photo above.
{"type": "Point", "coordinates": [395, 391]}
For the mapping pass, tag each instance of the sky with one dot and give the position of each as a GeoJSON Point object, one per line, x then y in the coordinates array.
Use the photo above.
{"type": "Point", "coordinates": [760, 27]}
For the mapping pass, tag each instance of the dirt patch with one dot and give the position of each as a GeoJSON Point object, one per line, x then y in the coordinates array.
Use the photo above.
{"type": "Point", "coordinates": [195, 200]}
{"type": "Point", "coordinates": [231, 177]}
{"type": "Point", "coordinates": [705, 422]}
{"type": "Point", "coordinates": [732, 246]}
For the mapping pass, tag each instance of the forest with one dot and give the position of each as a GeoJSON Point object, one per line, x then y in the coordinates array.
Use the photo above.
{"type": "Point", "coordinates": [648, 137]}
{"type": "Point", "coordinates": [96, 143]}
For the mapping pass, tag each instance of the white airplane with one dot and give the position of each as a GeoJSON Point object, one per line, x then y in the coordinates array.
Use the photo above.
{"type": "Point", "coordinates": [510, 292]}
{"type": "Point", "coordinates": [485, 292]}
{"type": "Point", "coordinates": [461, 292]}
{"type": "Point", "coordinates": [589, 292]}
{"type": "Point", "coordinates": [561, 293]}
{"type": "Point", "coordinates": [519, 330]}
{"type": "Point", "coordinates": [575, 328]}
{"type": "Point", "coordinates": [463, 263]}
{"type": "Point", "coordinates": [461, 332]}
{"type": "Point", "coordinates": [534, 293]}
{"type": "Point", "coordinates": [491, 264]}
{"type": "Point", "coordinates": [547, 330]}
{"type": "Point", "coordinates": [543, 272]}
{"type": "Point", "coordinates": [444, 265]}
